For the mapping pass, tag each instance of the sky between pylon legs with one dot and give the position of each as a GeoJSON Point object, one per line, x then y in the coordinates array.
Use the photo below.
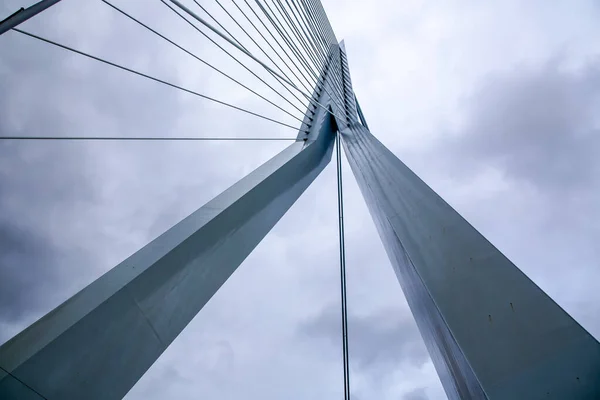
{"type": "Point", "coordinates": [492, 104]}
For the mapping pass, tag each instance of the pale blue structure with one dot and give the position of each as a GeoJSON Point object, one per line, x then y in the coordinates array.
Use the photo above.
{"type": "Point", "coordinates": [491, 332]}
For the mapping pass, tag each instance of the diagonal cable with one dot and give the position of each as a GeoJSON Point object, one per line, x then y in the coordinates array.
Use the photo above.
{"type": "Point", "coordinates": [199, 59]}
{"type": "Point", "coordinates": [264, 52]}
{"type": "Point", "coordinates": [145, 138]}
{"type": "Point", "coordinates": [285, 17]}
{"type": "Point", "coordinates": [223, 49]}
{"type": "Point", "coordinates": [292, 47]}
{"type": "Point", "coordinates": [251, 38]}
{"type": "Point", "coordinates": [230, 41]}
{"type": "Point", "coordinates": [62, 46]}
{"type": "Point", "coordinates": [277, 42]}
{"type": "Point", "coordinates": [317, 62]}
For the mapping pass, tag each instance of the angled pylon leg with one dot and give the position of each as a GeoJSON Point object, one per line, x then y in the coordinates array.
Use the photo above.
{"type": "Point", "coordinates": [98, 343]}
{"type": "Point", "coordinates": [491, 332]}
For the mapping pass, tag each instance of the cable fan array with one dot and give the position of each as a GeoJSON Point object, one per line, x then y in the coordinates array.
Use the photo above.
{"type": "Point", "coordinates": [276, 50]}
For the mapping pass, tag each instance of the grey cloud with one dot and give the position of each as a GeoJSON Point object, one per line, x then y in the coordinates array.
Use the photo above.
{"type": "Point", "coordinates": [71, 210]}
{"type": "Point", "coordinates": [77, 210]}
{"type": "Point", "coordinates": [524, 158]}
{"type": "Point", "coordinates": [26, 265]}
{"type": "Point", "coordinates": [417, 394]}
{"type": "Point", "coordinates": [378, 341]}
{"type": "Point", "coordinates": [39, 183]}
{"type": "Point", "coordinates": [539, 126]}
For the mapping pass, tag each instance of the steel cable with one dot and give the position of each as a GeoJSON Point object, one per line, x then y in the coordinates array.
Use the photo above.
{"type": "Point", "coordinates": [199, 59]}
{"type": "Point", "coordinates": [229, 54]}
{"type": "Point", "coordinates": [65, 47]}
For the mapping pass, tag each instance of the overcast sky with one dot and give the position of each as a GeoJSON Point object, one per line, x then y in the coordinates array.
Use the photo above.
{"type": "Point", "coordinates": [494, 104]}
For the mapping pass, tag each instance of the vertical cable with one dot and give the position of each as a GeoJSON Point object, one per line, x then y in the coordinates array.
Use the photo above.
{"type": "Point", "coordinates": [342, 269]}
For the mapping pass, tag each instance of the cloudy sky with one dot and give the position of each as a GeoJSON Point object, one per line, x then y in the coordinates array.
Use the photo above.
{"type": "Point", "coordinates": [492, 103]}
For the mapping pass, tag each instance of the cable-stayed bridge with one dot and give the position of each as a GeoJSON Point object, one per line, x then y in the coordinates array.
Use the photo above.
{"type": "Point", "coordinates": [491, 332]}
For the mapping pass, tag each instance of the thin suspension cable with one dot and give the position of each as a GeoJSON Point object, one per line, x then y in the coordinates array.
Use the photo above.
{"type": "Point", "coordinates": [307, 27]}
{"type": "Point", "coordinates": [199, 59]}
{"type": "Point", "coordinates": [312, 101]}
{"type": "Point", "coordinates": [212, 28]}
{"type": "Point", "coordinates": [247, 34]}
{"type": "Point", "coordinates": [302, 12]}
{"type": "Point", "coordinates": [225, 51]}
{"type": "Point", "coordinates": [315, 30]}
{"type": "Point", "coordinates": [300, 60]}
{"type": "Point", "coordinates": [281, 32]}
{"type": "Point", "coordinates": [296, 32]}
{"type": "Point", "coordinates": [285, 17]}
{"type": "Point", "coordinates": [62, 46]}
{"type": "Point", "coordinates": [281, 9]}
{"type": "Point", "coordinates": [239, 26]}
{"type": "Point", "coordinates": [326, 20]}
{"type": "Point", "coordinates": [291, 47]}
{"type": "Point", "coordinates": [295, 36]}
{"type": "Point", "coordinates": [285, 38]}
{"type": "Point", "coordinates": [278, 43]}
{"type": "Point", "coordinates": [241, 45]}
{"type": "Point", "coordinates": [304, 35]}
{"type": "Point", "coordinates": [325, 33]}
{"type": "Point", "coordinates": [272, 17]}
{"type": "Point", "coordinates": [342, 270]}
{"type": "Point", "coordinates": [146, 138]}
{"type": "Point", "coordinates": [218, 23]}
{"type": "Point", "coordinates": [316, 21]}
{"type": "Point", "coordinates": [310, 98]}
{"type": "Point", "coordinates": [316, 16]}
{"type": "Point", "coordinates": [303, 40]}
{"type": "Point", "coordinates": [237, 45]}
{"type": "Point", "coordinates": [251, 38]}
{"type": "Point", "coordinates": [318, 9]}
{"type": "Point", "coordinates": [193, 15]}
{"type": "Point", "coordinates": [263, 37]}
{"type": "Point", "coordinates": [314, 25]}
